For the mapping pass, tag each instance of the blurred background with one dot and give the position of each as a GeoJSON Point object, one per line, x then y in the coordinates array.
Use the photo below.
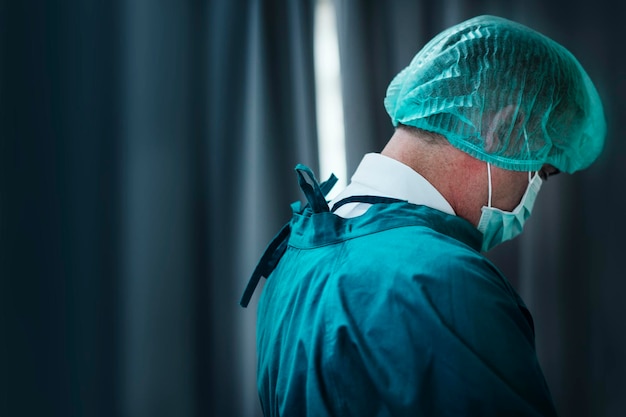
{"type": "Point", "coordinates": [146, 159]}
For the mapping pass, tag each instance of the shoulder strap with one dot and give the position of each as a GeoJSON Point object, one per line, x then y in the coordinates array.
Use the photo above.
{"type": "Point", "coordinates": [315, 194]}
{"type": "Point", "coordinates": [267, 263]}
{"type": "Point", "coordinates": [369, 199]}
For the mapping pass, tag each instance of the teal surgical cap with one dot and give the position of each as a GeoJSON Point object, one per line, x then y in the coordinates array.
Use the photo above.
{"type": "Point", "coordinates": [504, 94]}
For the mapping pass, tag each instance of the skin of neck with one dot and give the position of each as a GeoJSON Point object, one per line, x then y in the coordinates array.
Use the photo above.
{"type": "Point", "coordinates": [460, 178]}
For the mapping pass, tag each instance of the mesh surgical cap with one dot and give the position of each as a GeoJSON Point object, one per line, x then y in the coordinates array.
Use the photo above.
{"type": "Point", "coordinates": [504, 94]}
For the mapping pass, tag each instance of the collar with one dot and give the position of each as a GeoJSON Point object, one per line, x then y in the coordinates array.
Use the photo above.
{"type": "Point", "coordinates": [379, 175]}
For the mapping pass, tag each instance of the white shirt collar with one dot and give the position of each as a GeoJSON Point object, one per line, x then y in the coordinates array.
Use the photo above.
{"type": "Point", "coordinates": [379, 175]}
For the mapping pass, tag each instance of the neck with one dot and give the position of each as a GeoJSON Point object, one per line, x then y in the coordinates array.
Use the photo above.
{"type": "Point", "coordinates": [460, 178]}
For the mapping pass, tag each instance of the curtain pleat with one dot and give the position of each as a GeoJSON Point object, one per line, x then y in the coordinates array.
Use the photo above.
{"type": "Point", "coordinates": [59, 222]}
{"type": "Point", "coordinates": [147, 156]}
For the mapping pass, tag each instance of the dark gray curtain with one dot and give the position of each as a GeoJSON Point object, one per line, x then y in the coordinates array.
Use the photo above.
{"type": "Point", "coordinates": [261, 114]}
{"type": "Point", "coordinates": [59, 218]}
{"type": "Point", "coordinates": [146, 155]}
{"type": "Point", "coordinates": [146, 158]}
{"type": "Point", "coordinates": [566, 265]}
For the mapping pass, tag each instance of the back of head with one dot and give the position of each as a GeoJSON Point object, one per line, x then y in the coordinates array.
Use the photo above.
{"type": "Point", "coordinates": [504, 94]}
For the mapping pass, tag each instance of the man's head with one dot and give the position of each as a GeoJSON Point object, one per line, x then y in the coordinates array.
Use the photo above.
{"type": "Point", "coordinates": [504, 94]}
{"type": "Point", "coordinates": [506, 103]}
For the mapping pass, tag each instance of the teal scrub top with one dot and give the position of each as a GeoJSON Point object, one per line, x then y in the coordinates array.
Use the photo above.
{"type": "Point", "coordinates": [392, 313]}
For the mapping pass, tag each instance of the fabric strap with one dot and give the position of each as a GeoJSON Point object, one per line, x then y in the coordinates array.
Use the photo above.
{"type": "Point", "coordinates": [315, 194]}
{"type": "Point", "coordinates": [369, 199]}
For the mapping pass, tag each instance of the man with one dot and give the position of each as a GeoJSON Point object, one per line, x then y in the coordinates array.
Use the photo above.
{"type": "Point", "coordinates": [382, 304]}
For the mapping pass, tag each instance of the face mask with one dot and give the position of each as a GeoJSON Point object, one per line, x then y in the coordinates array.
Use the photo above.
{"type": "Point", "coordinates": [497, 225]}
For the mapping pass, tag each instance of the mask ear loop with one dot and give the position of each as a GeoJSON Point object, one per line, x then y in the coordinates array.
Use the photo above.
{"type": "Point", "coordinates": [489, 176]}
{"type": "Point", "coordinates": [528, 150]}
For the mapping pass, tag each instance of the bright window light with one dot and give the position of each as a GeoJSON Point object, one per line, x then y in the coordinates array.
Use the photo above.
{"type": "Point", "coordinates": [330, 128]}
